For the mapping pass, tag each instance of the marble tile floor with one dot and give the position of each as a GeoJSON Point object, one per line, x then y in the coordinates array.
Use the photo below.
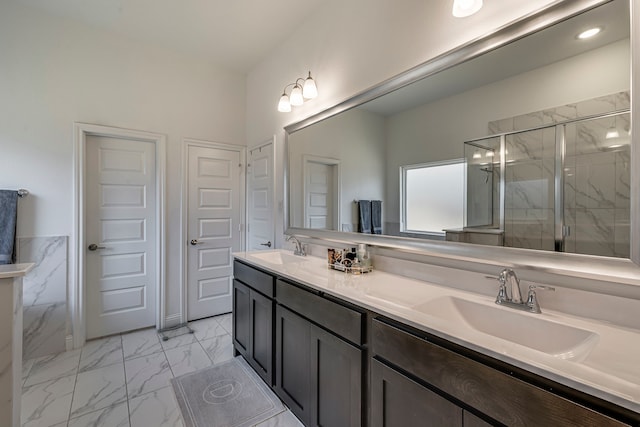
{"type": "Point", "coordinates": [124, 380]}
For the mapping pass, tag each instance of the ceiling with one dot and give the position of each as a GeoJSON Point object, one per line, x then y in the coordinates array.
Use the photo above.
{"type": "Point", "coordinates": [236, 34]}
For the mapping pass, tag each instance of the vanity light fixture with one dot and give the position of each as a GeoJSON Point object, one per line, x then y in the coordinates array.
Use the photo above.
{"type": "Point", "coordinates": [464, 8]}
{"type": "Point", "coordinates": [477, 155]}
{"type": "Point", "coordinates": [587, 34]}
{"type": "Point", "coordinates": [300, 92]}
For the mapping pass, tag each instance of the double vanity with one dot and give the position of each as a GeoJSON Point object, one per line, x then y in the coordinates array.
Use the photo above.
{"type": "Point", "coordinates": [380, 349]}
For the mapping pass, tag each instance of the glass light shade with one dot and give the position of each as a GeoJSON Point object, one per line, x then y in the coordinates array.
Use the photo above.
{"type": "Point", "coordinates": [463, 8]}
{"type": "Point", "coordinates": [309, 90]}
{"type": "Point", "coordinates": [296, 96]}
{"type": "Point", "coordinates": [284, 106]}
{"type": "Point", "coordinates": [612, 132]}
{"type": "Point", "coordinates": [477, 155]}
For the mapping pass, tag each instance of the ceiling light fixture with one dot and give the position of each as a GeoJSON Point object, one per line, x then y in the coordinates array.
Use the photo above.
{"type": "Point", "coordinates": [587, 34]}
{"type": "Point", "coordinates": [300, 93]}
{"type": "Point", "coordinates": [464, 8]}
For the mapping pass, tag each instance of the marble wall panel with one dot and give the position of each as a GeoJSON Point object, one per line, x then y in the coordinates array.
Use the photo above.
{"type": "Point", "coordinates": [44, 332]}
{"type": "Point", "coordinates": [560, 114]}
{"type": "Point", "coordinates": [526, 187]}
{"type": "Point", "coordinates": [47, 282]}
{"type": "Point", "coordinates": [595, 181]}
{"type": "Point", "coordinates": [594, 231]}
{"type": "Point", "coordinates": [600, 105]}
{"type": "Point", "coordinates": [45, 295]}
{"type": "Point", "coordinates": [622, 232]}
{"type": "Point", "coordinates": [623, 178]}
{"type": "Point", "coordinates": [501, 126]}
{"type": "Point", "coordinates": [596, 174]}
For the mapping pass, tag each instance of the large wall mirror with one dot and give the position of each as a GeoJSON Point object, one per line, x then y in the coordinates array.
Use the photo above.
{"type": "Point", "coordinates": [526, 145]}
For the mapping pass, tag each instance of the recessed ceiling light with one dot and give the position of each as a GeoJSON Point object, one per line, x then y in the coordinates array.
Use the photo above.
{"type": "Point", "coordinates": [589, 33]}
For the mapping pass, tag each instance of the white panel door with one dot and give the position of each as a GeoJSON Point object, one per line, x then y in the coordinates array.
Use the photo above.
{"type": "Point", "coordinates": [120, 212]}
{"type": "Point", "coordinates": [319, 195]}
{"type": "Point", "coordinates": [260, 225]}
{"type": "Point", "coordinates": [213, 230]}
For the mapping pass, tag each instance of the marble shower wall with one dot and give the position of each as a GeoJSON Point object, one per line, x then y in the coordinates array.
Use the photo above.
{"type": "Point", "coordinates": [45, 295]}
{"type": "Point", "coordinates": [597, 178]}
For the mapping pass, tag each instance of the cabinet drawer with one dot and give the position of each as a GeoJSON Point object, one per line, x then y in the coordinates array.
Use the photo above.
{"type": "Point", "coordinates": [506, 399]}
{"type": "Point", "coordinates": [258, 280]}
{"type": "Point", "coordinates": [399, 401]}
{"type": "Point", "coordinates": [341, 320]}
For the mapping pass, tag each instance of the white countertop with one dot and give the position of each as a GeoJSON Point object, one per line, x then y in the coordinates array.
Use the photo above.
{"type": "Point", "coordinates": [8, 271]}
{"type": "Point", "coordinates": [606, 366]}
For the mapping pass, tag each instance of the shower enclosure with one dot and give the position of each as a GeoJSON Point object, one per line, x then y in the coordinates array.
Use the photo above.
{"type": "Point", "coordinates": [561, 187]}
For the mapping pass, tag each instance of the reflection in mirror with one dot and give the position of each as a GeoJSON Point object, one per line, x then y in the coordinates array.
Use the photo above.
{"type": "Point", "coordinates": [540, 126]}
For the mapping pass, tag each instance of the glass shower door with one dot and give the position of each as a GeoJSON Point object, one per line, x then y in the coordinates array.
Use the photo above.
{"type": "Point", "coordinates": [529, 190]}
{"type": "Point", "coordinates": [597, 186]}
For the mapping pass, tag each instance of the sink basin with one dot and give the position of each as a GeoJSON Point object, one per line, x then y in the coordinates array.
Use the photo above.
{"type": "Point", "coordinates": [555, 339]}
{"type": "Point", "coordinates": [279, 258]}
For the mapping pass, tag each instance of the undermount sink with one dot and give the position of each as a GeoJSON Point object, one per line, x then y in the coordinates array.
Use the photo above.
{"type": "Point", "coordinates": [279, 258]}
{"type": "Point", "coordinates": [555, 339]}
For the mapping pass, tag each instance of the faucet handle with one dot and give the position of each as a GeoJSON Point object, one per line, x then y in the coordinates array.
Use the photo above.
{"type": "Point", "coordinates": [532, 300]}
{"type": "Point", "coordinates": [532, 288]}
{"type": "Point", "coordinates": [502, 294]}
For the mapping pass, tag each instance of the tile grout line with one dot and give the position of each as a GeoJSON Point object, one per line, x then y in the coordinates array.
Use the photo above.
{"type": "Point", "coordinates": [126, 382]}
{"type": "Point", "coordinates": [75, 383]}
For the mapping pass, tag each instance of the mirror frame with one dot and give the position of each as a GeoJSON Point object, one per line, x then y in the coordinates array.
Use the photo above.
{"type": "Point", "coordinates": [617, 272]}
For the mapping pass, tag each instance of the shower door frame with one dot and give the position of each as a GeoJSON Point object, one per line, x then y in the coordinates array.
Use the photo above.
{"type": "Point", "coordinates": [560, 231]}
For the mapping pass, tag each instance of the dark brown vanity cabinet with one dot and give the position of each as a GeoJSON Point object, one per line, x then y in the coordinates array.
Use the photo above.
{"type": "Point", "coordinates": [253, 317]}
{"type": "Point", "coordinates": [418, 377]}
{"type": "Point", "coordinates": [318, 374]}
{"type": "Point", "coordinates": [334, 364]}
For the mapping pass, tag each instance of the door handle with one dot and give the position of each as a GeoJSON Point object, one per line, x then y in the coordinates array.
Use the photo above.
{"type": "Point", "coordinates": [195, 242]}
{"type": "Point", "coordinates": [268, 244]}
{"type": "Point", "coordinates": [92, 247]}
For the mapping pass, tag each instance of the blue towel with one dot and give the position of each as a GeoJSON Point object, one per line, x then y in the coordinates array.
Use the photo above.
{"type": "Point", "coordinates": [8, 218]}
{"type": "Point", "coordinates": [364, 216]}
{"type": "Point", "coordinates": [376, 217]}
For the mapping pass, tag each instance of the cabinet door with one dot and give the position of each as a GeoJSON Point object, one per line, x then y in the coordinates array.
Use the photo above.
{"type": "Point", "coordinates": [336, 381]}
{"type": "Point", "coordinates": [241, 318]}
{"type": "Point", "coordinates": [470, 420]}
{"type": "Point", "coordinates": [293, 379]}
{"type": "Point", "coordinates": [261, 349]}
{"type": "Point", "coordinates": [397, 401]}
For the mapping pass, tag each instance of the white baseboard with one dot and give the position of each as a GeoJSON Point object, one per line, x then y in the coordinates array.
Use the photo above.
{"type": "Point", "coordinates": [172, 320]}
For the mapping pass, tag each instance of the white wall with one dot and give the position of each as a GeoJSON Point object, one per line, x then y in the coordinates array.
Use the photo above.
{"type": "Point", "coordinates": [350, 46]}
{"type": "Point", "coordinates": [54, 72]}
{"type": "Point", "coordinates": [357, 139]}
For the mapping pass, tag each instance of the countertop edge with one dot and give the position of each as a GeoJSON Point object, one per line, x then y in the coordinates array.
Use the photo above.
{"type": "Point", "coordinates": [9, 271]}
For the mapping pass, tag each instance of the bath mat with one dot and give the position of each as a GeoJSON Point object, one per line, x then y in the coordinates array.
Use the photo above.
{"type": "Point", "coordinates": [225, 395]}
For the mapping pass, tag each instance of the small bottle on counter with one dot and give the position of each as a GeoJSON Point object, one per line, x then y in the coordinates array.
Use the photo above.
{"type": "Point", "coordinates": [364, 258]}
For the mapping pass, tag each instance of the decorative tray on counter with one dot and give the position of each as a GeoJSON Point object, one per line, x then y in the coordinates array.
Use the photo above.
{"type": "Point", "coordinates": [348, 261]}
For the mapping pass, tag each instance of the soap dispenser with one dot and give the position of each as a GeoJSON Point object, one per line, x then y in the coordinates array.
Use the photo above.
{"type": "Point", "coordinates": [364, 258]}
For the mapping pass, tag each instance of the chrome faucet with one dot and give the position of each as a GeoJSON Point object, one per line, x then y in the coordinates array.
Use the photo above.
{"type": "Point", "coordinates": [508, 276]}
{"type": "Point", "coordinates": [299, 249]}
